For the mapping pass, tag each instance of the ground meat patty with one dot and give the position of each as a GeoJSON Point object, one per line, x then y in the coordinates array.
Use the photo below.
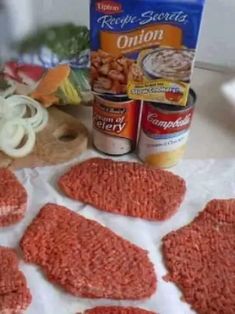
{"type": "Point", "coordinates": [15, 297]}
{"type": "Point", "coordinates": [201, 259]}
{"type": "Point", "coordinates": [117, 310]}
{"type": "Point", "coordinates": [13, 198]}
{"type": "Point", "coordinates": [87, 259]}
{"type": "Point", "coordinates": [125, 188]}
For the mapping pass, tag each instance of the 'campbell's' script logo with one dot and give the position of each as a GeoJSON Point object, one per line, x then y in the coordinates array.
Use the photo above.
{"type": "Point", "coordinates": [111, 22]}
{"type": "Point", "coordinates": [108, 7]}
{"type": "Point", "coordinates": [165, 125]}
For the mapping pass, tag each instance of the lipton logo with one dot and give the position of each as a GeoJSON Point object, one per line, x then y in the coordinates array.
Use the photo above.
{"type": "Point", "coordinates": [108, 7]}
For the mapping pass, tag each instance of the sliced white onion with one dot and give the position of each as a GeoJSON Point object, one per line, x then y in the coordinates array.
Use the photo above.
{"type": "Point", "coordinates": [12, 112]}
{"type": "Point", "coordinates": [5, 144]}
{"type": "Point", "coordinates": [14, 133]}
{"type": "Point", "coordinates": [24, 102]}
{"type": "Point", "coordinates": [20, 118]}
{"type": "Point", "coordinates": [40, 126]}
{"type": "Point", "coordinates": [19, 104]}
{"type": "Point", "coordinates": [41, 121]}
{"type": "Point", "coordinates": [14, 108]}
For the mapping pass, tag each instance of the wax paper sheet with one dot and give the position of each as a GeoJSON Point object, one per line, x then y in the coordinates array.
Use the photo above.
{"type": "Point", "coordinates": [206, 180]}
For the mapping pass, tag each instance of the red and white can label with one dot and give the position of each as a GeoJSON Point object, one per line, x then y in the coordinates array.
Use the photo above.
{"type": "Point", "coordinates": [156, 122]}
{"type": "Point", "coordinates": [163, 134]}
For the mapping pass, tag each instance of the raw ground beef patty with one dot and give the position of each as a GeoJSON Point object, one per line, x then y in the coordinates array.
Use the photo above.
{"type": "Point", "coordinates": [117, 310]}
{"type": "Point", "coordinates": [201, 259]}
{"type": "Point", "coordinates": [14, 294]}
{"type": "Point", "coordinates": [13, 198]}
{"type": "Point", "coordinates": [125, 188]}
{"type": "Point", "coordinates": [87, 259]}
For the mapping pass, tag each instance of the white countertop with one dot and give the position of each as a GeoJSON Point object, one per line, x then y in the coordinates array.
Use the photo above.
{"type": "Point", "coordinates": [213, 129]}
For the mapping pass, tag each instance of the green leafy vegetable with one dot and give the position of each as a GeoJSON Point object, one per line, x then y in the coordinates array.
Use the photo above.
{"type": "Point", "coordinates": [67, 40]}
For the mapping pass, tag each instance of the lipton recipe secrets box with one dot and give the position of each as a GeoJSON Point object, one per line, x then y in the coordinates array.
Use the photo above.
{"type": "Point", "coordinates": [144, 48]}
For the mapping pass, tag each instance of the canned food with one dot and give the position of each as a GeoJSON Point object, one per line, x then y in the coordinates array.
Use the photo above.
{"type": "Point", "coordinates": [164, 132]}
{"type": "Point", "coordinates": [115, 124]}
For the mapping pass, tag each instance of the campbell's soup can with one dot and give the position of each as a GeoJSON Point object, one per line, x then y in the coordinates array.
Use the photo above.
{"type": "Point", "coordinates": [164, 132]}
{"type": "Point", "coordinates": [115, 124]}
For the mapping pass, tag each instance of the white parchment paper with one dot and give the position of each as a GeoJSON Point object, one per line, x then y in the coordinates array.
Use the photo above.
{"type": "Point", "coordinates": [206, 180]}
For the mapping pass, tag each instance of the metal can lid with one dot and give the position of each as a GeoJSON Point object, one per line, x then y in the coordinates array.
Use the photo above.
{"type": "Point", "coordinates": [114, 98]}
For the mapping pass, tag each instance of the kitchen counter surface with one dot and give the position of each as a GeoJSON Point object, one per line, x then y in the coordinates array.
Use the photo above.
{"type": "Point", "coordinates": [213, 129]}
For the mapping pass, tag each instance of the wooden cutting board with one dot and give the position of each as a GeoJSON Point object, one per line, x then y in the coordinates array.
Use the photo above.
{"type": "Point", "coordinates": [62, 140]}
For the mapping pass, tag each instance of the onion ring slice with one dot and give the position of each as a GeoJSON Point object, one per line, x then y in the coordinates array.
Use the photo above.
{"type": "Point", "coordinates": [38, 115]}
{"type": "Point", "coordinates": [5, 144]}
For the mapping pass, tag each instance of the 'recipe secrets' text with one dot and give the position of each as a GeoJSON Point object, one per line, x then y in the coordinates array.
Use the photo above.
{"type": "Point", "coordinates": [110, 21]}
